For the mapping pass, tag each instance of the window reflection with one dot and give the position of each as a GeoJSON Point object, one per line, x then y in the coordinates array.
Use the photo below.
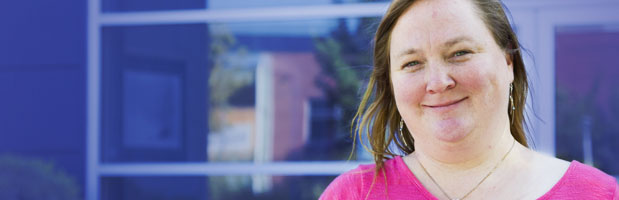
{"type": "Point", "coordinates": [257, 92]}
{"type": "Point", "coordinates": [280, 93]}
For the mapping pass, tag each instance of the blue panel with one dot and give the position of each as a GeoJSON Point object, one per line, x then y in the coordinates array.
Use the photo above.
{"type": "Point", "coordinates": [43, 116]}
{"type": "Point", "coordinates": [43, 84]}
{"type": "Point", "coordinates": [47, 111]}
{"type": "Point", "coordinates": [45, 33]}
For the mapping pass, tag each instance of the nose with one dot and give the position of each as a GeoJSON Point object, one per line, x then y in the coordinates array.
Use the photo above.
{"type": "Point", "coordinates": [439, 80]}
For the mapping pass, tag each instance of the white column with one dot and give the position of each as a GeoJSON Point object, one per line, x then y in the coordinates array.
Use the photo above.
{"type": "Point", "coordinates": [263, 150]}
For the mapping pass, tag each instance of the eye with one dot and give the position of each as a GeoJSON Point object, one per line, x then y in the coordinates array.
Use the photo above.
{"type": "Point", "coordinates": [411, 64]}
{"type": "Point", "coordinates": [461, 53]}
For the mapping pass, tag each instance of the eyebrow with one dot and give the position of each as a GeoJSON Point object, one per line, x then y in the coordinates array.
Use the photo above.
{"type": "Point", "coordinates": [457, 40]}
{"type": "Point", "coordinates": [449, 43]}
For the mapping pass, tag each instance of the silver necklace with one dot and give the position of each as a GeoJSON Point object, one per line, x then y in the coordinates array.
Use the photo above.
{"type": "Point", "coordinates": [482, 180]}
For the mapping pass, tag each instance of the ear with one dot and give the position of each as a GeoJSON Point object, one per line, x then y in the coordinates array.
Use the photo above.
{"type": "Point", "coordinates": [509, 60]}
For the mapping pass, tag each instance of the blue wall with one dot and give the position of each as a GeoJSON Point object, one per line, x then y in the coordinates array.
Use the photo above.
{"type": "Point", "coordinates": [43, 82]}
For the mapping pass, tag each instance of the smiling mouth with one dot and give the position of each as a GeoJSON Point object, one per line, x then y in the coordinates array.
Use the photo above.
{"type": "Point", "coordinates": [446, 104]}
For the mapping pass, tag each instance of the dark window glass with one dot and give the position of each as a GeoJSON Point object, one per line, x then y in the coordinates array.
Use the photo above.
{"type": "Point", "coordinates": [154, 93]}
{"type": "Point", "coordinates": [587, 97]}
{"type": "Point", "coordinates": [214, 187]}
{"type": "Point", "coordinates": [150, 5]}
{"type": "Point", "coordinates": [154, 188]}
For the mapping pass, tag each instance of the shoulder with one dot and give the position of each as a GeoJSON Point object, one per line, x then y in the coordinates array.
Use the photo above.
{"type": "Point", "coordinates": [357, 183]}
{"type": "Point", "coordinates": [349, 185]}
{"type": "Point", "coordinates": [581, 181]}
{"type": "Point", "coordinates": [586, 176]}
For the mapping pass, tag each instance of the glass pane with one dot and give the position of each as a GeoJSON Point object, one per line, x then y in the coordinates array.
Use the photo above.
{"type": "Point", "coordinates": [268, 187]}
{"type": "Point", "coordinates": [150, 5]}
{"type": "Point", "coordinates": [286, 90]}
{"type": "Point", "coordinates": [154, 188]}
{"type": "Point", "coordinates": [215, 187]}
{"type": "Point", "coordinates": [256, 92]}
{"type": "Point", "coordinates": [224, 4]}
{"type": "Point", "coordinates": [587, 96]}
{"type": "Point", "coordinates": [153, 93]}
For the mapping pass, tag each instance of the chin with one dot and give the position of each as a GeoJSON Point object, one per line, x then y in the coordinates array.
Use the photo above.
{"type": "Point", "coordinates": [451, 130]}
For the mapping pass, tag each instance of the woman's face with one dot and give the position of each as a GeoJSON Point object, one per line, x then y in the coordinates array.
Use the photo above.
{"type": "Point", "coordinates": [450, 78]}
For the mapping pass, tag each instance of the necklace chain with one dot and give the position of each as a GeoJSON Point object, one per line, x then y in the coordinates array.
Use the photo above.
{"type": "Point", "coordinates": [482, 180]}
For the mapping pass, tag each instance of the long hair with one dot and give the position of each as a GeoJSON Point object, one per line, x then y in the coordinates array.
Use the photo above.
{"type": "Point", "coordinates": [377, 116]}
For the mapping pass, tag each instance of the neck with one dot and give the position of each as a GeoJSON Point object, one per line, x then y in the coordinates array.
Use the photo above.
{"type": "Point", "coordinates": [479, 151]}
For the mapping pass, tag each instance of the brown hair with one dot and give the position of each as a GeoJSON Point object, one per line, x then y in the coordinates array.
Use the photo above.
{"type": "Point", "coordinates": [377, 116]}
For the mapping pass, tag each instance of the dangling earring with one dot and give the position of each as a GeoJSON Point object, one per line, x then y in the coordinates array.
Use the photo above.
{"type": "Point", "coordinates": [402, 132]}
{"type": "Point", "coordinates": [511, 100]}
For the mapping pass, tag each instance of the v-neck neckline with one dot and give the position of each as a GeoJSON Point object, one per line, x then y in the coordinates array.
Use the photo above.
{"type": "Point", "coordinates": [411, 176]}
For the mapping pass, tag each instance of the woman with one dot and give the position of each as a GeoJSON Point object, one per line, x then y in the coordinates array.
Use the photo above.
{"type": "Point", "coordinates": [448, 89]}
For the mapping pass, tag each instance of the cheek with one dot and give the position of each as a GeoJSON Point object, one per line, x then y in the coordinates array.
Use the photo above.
{"type": "Point", "coordinates": [481, 79]}
{"type": "Point", "coordinates": [477, 74]}
{"type": "Point", "coordinates": [472, 79]}
{"type": "Point", "coordinates": [408, 92]}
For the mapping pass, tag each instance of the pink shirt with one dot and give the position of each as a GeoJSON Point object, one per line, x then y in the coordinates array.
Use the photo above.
{"type": "Point", "coordinates": [579, 182]}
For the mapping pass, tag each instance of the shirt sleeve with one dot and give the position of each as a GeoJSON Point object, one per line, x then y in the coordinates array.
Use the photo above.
{"type": "Point", "coordinates": [345, 186]}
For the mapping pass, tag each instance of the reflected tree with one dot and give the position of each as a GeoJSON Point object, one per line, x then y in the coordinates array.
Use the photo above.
{"type": "Point", "coordinates": [226, 76]}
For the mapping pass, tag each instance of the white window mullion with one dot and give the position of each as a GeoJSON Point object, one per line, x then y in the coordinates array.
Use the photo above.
{"type": "Point", "coordinates": [331, 168]}
{"type": "Point", "coordinates": [245, 14]}
{"type": "Point", "coordinates": [93, 100]}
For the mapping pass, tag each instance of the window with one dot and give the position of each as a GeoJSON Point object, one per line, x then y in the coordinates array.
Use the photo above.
{"type": "Point", "coordinates": [153, 93]}
{"type": "Point", "coordinates": [210, 107]}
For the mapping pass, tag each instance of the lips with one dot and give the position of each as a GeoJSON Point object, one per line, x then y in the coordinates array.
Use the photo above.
{"type": "Point", "coordinates": [446, 104]}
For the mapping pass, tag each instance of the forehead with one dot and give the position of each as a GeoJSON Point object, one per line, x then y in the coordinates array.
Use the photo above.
{"type": "Point", "coordinates": [436, 21]}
